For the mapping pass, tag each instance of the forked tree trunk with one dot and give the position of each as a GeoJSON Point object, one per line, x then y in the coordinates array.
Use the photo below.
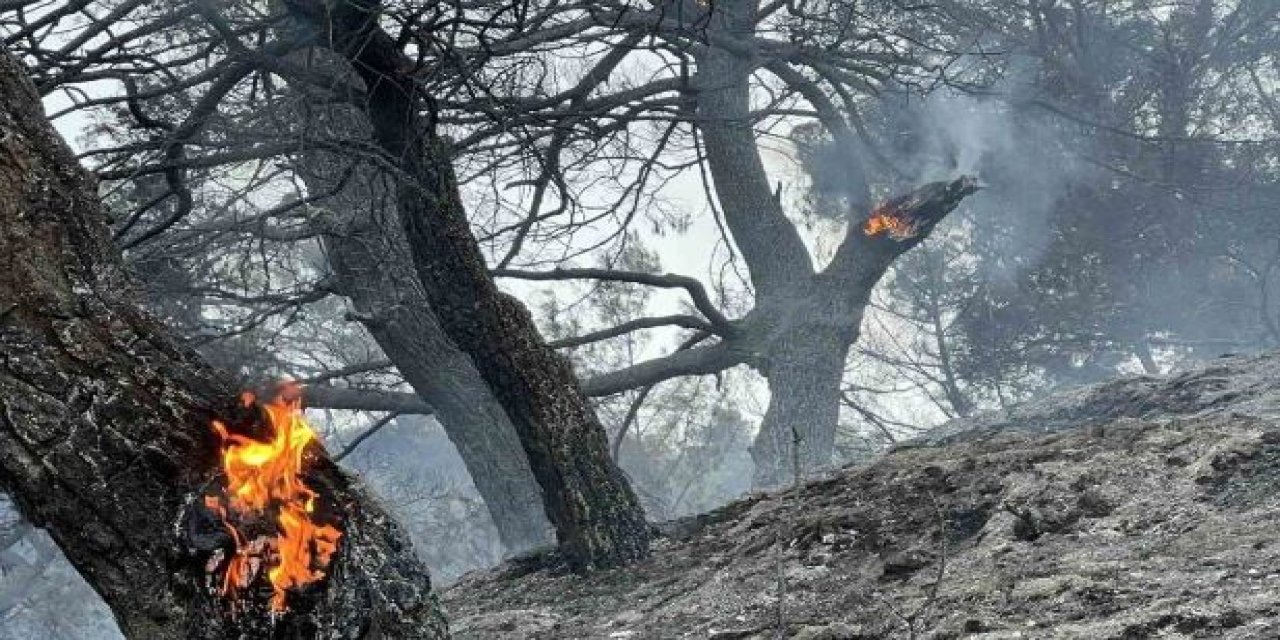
{"type": "Point", "coordinates": [597, 517]}
{"type": "Point", "coordinates": [803, 338]}
{"type": "Point", "coordinates": [805, 320]}
{"type": "Point", "coordinates": [104, 425]}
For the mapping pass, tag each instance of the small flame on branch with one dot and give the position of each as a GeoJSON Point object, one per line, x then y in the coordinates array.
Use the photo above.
{"type": "Point", "coordinates": [264, 478]}
{"type": "Point", "coordinates": [884, 219]}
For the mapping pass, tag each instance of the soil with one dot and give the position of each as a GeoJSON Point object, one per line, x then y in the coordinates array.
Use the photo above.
{"type": "Point", "coordinates": [1141, 508]}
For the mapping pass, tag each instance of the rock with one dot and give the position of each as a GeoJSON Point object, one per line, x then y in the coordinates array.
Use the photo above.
{"type": "Point", "coordinates": [904, 563]}
{"type": "Point", "coordinates": [627, 618]}
{"type": "Point", "coordinates": [1224, 458]}
{"type": "Point", "coordinates": [509, 623]}
{"type": "Point", "coordinates": [837, 631]}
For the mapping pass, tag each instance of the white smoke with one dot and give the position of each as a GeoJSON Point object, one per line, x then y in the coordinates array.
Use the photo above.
{"type": "Point", "coordinates": [1024, 157]}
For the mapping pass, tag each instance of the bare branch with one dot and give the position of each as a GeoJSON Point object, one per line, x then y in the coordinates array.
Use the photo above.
{"type": "Point", "coordinates": [350, 370]}
{"type": "Point", "coordinates": [367, 433]}
{"type": "Point", "coordinates": [694, 362]}
{"type": "Point", "coordinates": [721, 324]}
{"type": "Point", "coordinates": [686, 321]}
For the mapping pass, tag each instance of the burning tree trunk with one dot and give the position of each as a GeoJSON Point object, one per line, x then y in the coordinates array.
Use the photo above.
{"type": "Point", "coordinates": [106, 436]}
{"type": "Point", "coordinates": [597, 517]}
{"type": "Point", "coordinates": [804, 340]}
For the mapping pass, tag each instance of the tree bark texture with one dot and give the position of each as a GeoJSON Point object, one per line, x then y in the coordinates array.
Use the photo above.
{"type": "Point", "coordinates": [797, 435]}
{"type": "Point", "coordinates": [374, 269]}
{"type": "Point", "coordinates": [105, 436]}
{"type": "Point", "coordinates": [776, 257]}
{"type": "Point", "coordinates": [597, 517]}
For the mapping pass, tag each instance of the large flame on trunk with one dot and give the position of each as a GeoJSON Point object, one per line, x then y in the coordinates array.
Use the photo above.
{"type": "Point", "coordinates": [264, 479]}
{"type": "Point", "coordinates": [885, 219]}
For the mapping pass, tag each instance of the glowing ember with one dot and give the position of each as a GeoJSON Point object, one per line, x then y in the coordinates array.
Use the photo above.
{"type": "Point", "coordinates": [265, 478]}
{"type": "Point", "coordinates": [884, 219]}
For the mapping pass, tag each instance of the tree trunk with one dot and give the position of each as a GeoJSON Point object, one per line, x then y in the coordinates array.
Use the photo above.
{"type": "Point", "coordinates": [797, 436]}
{"type": "Point", "coordinates": [959, 401]}
{"type": "Point", "coordinates": [597, 517]}
{"type": "Point", "coordinates": [105, 425]}
{"type": "Point", "coordinates": [802, 339]}
{"type": "Point", "coordinates": [369, 261]}
{"type": "Point", "coordinates": [776, 257]}
{"type": "Point", "coordinates": [373, 268]}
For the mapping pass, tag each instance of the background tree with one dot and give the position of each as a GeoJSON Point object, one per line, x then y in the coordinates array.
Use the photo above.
{"type": "Point", "coordinates": [1176, 168]}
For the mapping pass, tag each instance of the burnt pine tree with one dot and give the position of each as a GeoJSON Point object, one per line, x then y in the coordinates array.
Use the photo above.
{"type": "Point", "coordinates": [105, 424]}
{"type": "Point", "coordinates": [373, 268]}
{"type": "Point", "coordinates": [597, 517]}
{"type": "Point", "coordinates": [804, 317]}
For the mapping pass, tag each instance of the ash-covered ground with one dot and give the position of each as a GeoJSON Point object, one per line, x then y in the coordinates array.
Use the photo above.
{"type": "Point", "coordinates": [1147, 507]}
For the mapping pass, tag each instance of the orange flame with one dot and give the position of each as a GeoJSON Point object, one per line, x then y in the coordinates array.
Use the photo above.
{"type": "Point", "coordinates": [885, 220]}
{"type": "Point", "coordinates": [263, 476]}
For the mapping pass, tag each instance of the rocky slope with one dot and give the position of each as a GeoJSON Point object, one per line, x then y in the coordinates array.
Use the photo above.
{"type": "Point", "coordinates": [1142, 508]}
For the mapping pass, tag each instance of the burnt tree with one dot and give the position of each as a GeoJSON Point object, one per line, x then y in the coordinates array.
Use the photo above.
{"type": "Point", "coordinates": [373, 268]}
{"type": "Point", "coordinates": [371, 262]}
{"type": "Point", "coordinates": [105, 424]}
{"type": "Point", "coordinates": [597, 517]}
{"type": "Point", "coordinates": [804, 317]}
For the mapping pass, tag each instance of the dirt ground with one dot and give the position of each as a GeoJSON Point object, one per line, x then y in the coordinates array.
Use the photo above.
{"type": "Point", "coordinates": [1141, 508]}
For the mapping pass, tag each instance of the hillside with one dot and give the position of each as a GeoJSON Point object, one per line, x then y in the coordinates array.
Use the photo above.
{"type": "Point", "coordinates": [1141, 508]}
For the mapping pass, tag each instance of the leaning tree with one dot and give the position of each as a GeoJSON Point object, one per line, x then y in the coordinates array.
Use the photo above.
{"type": "Point", "coordinates": [107, 436]}
{"type": "Point", "coordinates": [597, 517]}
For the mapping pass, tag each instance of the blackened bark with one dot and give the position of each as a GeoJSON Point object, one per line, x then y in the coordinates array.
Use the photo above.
{"type": "Point", "coordinates": [104, 424]}
{"type": "Point", "coordinates": [597, 517]}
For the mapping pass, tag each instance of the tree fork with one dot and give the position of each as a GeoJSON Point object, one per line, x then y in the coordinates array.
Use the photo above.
{"type": "Point", "coordinates": [810, 338]}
